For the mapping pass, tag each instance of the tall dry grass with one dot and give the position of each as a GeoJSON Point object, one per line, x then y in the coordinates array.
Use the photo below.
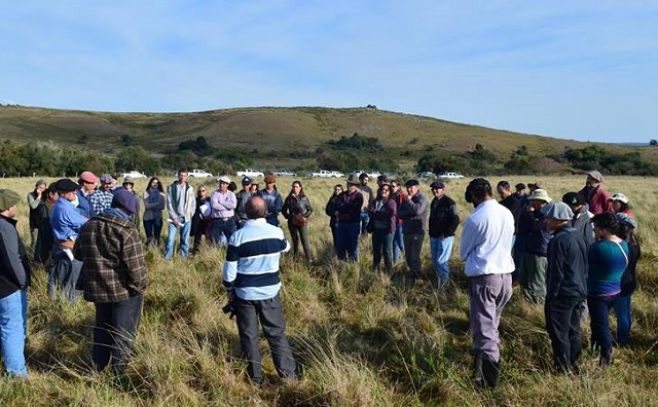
{"type": "Point", "coordinates": [360, 338]}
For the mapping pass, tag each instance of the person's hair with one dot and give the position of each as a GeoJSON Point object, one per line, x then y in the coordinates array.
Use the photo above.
{"type": "Point", "coordinates": [607, 221]}
{"type": "Point", "coordinates": [198, 190]}
{"type": "Point", "coordinates": [51, 189]}
{"type": "Point", "coordinates": [256, 208]}
{"type": "Point", "coordinates": [342, 188]}
{"type": "Point", "coordinates": [363, 176]}
{"type": "Point", "coordinates": [159, 184]}
{"type": "Point", "coordinates": [232, 186]}
{"type": "Point", "coordinates": [182, 170]}
{"type": "Point", "coordinates": [478, 189]}
{"type": "Point", "coordinates": [624, 206]}
{"type": "Point", "coordinates": [504, 185]}
{"type": "Point", "coordinates": [301, 188]}
{"type": "Point", "coordinates": [379, 190]}
{"type": "Point", "coordinates": [394, 181]}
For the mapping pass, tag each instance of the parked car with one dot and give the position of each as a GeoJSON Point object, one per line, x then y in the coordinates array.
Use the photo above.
{"type": "Point", "coordinates": [426, 174]}
{"type": "Point", "coordinates": [250, 173]}
{"type": "Point", "coordinates": [450, 175]}
{"type": "Point", "coordinates": [133, 174]}
{"type": "Point", "coordinates": [284, 173]}
{"type": "Point", "coordinates": [200, 174]}
{"type": "Point", "coordinates": [327, 174]}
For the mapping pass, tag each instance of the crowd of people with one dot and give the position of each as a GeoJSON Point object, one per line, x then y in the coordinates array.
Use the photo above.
{"type": "Point", "coordinates": [573, 256]}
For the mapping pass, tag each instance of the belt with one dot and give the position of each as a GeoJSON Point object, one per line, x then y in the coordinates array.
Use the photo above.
{"type": "Point", "coordinates": [225, 219]}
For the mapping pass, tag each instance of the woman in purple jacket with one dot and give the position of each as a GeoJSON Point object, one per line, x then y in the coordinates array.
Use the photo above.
{"type": "Point", "coordinates": [382, 226]}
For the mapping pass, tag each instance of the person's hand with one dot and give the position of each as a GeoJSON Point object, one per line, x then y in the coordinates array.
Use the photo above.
{"type": "Point", "coordinates": [231, 295]}
{"type": "Point", "coordinates": [176, 222]}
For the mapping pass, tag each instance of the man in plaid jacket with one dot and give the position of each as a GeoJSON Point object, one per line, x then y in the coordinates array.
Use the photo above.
{"type": "Point", "coordinates": [114, 278]}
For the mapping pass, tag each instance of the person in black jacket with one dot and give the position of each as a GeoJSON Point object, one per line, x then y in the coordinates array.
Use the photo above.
{"type": "Point", "coordinates": [348, 227]}
{"type": "Point", "coordinates": [330, 209]}
{"type": "Point", "coordinates": [566, 286]}
{"type": "Point", "coordinates": [15, 274]}
{"type": "Point", "coordinates": [443, 223]}
{"type": "Point", "coordinates": [536, 236]}
{"type": "Point", "coordinates": [622, 304]}
{"type": "Point", "coordinates": [296, 209]}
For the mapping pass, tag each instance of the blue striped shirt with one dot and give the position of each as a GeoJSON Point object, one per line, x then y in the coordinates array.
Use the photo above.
{"type": "Point", "coordinates": [252, 260]}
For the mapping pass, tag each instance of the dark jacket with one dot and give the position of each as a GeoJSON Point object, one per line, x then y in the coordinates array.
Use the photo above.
{"type": "Point", "coordinates": [15, 268]}
{"type": "Point", "coordinates": [34, 212]}
{"type": "Point", "coordinates": [628, 281]}
{"type": "Point", "coordinates": [45, 239]}
{"type": "Point", "coordinates": [331, 208]}
{"type": "Point", "coordinates": [582, 222]}
{"type": "Point", "coordinates": [242, 197]}
{"type": "Point", "coordinates": [414, 214]}
{"type": "Point", "coordinates": [349, 207]}
{"type": "Point", "coordinates": [113, 260]}
{"type": "Point", "coordinates": [515, 206]}
{"type": "Point", "coordinates": [383, 218]}
{"type": "Point", "coordinates": [294, 205]}
{"type": "Point", "coordinates": [444, 217]}
{"type": "Point", "coordinates": [566, 274]}
{"type": "Point", "coordinates": [598, 199]}
{"type": "Point", "coordinates": [536, 236]}
{"type": "Point", "coordinates": [274, 204]}
{"type": "Point", "coordinates": [198, 220]}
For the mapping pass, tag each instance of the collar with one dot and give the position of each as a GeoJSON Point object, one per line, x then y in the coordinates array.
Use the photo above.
{"type": "Point", "coordinates": [12, 221]}
{"type": "Point", "coordinates": [259, 221]}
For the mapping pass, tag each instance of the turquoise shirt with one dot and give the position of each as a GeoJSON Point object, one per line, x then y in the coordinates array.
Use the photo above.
{"type": "Point", "coordinates": [607, 263]}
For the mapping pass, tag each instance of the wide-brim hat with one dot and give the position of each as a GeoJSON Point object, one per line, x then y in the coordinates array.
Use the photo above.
{"type": "Point", "coordinates": [224, 179]}
{"type": "Point", "coordinates": [540, 195]}
{"type": "Point", "coordinates": [595, 175]}
{"type": "Point", "coordinates": [353, 180]}
{"type": "Point", "coordinates": [620, 197]}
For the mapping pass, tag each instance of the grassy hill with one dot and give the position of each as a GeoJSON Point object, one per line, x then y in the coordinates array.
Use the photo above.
{"type": "Point", "coordinates": [267, 129]}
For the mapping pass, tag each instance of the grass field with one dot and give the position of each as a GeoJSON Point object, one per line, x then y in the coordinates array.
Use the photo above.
{"type": "Point", "coordinates": [361, 339]}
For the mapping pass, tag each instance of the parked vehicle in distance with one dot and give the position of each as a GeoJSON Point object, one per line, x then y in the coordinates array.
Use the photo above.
{"type": "Point", "coordinates": [133, 174]}
{"type": "Point", "coordinates": [450, 175]}
{"type": "Point", "coordinates": [200, 174]}
{"type": "Point", "coordinates": [251, 173]}
{"type": "Point", "coordinates": [284, 173]}
{"type": "Point", "coordinates": [327, 174]}
{"type": "Point", "coordinates": [426, 174]}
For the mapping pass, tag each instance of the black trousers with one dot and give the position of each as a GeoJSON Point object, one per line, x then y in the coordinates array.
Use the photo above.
{"type": "Point", "coordinates": [413, 243]}
{"type": "Point", "coordinates": [563, 325]}
{"type": "Point", "coordinates": [270, 315]}
{"type": "Point", "coordinates": [115, 331]}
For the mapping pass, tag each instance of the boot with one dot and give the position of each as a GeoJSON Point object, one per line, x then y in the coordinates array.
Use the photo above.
{"type": "Point", "coordinates": [491, 372]}
{"type": "Point", "coordinates": [478, 375]}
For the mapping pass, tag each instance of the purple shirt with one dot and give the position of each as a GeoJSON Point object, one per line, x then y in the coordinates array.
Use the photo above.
{"type": "Point", "coordinates": [223, 204]}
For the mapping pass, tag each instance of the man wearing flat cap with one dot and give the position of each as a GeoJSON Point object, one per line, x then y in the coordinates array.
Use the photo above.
{"type": "Point", "coordinates": [114, 278]}
{"type": "Point", "coordinates": [566, 286]}
{"type": "Point", "coordinates": [87, 187]}
{"type": "Point", "coordinates": [348, 215]}
{"type": "Point", "coordinates": [14, 279]}
{"type": "Point", "coordinates": [413, 212]}
{"type": "Point", "coordinates": [594, 195]}
{"type": "Point", "coordinates": [443, 223]}
{"type": "Point", "coordinates": [66, 222]}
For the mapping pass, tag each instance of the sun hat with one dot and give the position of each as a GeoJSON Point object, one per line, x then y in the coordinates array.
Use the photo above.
{"type": "Point", "coordinates": [540, 195]}
{"type": "Point", "coordinates": [620, 197]}
{"type": "Point", "coordinates": [353, 180]}
{"type": "Point", "coordinates": [224, 179]}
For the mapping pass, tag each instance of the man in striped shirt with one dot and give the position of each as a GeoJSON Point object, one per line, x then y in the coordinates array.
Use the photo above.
{"type": "Point", "coordinates": [251, 278]}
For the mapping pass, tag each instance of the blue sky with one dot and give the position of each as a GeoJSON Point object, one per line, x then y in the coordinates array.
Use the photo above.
{"type": "Point", "coordinates": [585, 70]}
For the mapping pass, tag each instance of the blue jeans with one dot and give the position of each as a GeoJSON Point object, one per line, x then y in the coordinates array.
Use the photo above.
{"type": "Point", "coordinates": [184, 239]}
{"type": "Point", "coordinates": [599, 308]}
{"type": "Point", "coordinates": [398, 243]}
{"type": "Point", "coordinates": [382, 243]}
{"type": "Point", "coordinates": [622, 306]}
{"type": "Point", "coordinates": [222, 227]}
{"type": "Point", "coordinates": [441, 249]}
{"type": "Point", "coordinates": [365, 218]}
{"type": "Point", "coordinates": [347, 236]}
{"type": "Point", "coordinates": [13, 330]}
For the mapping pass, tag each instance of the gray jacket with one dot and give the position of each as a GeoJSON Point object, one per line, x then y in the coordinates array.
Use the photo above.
{"type": "Point", "coordinates": [14, 265]}
{"type": "Point", "coordinates": [414, 214]}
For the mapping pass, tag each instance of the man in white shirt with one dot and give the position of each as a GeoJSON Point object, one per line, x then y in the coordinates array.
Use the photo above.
{"type": "Point", "coordinates": [486, 247]}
